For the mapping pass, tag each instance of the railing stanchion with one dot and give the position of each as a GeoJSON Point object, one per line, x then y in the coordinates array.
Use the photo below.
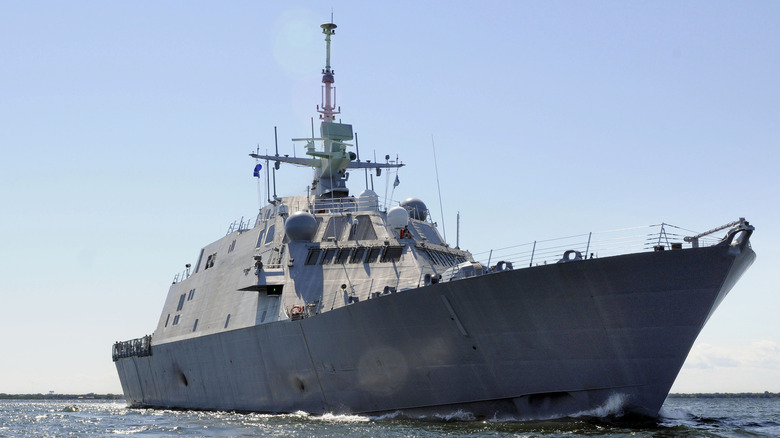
{"type": "Point", "coordinates": [587, 248]}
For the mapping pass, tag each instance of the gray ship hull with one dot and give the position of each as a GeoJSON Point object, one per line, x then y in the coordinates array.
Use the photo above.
{"type": "Point", "coordinates": [540, 342]}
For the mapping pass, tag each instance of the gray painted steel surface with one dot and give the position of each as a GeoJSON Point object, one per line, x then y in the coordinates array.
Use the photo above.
{"type": "Point", "coordinates": [545, 341]}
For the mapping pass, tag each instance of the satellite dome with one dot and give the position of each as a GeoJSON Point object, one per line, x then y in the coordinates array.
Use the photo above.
{"type": "Point", "coordinates": [397, 217]}
{"type": "Point", "coordinates": [368, 200]}
{"type": "Point", "coordinates": [301, 225]}
{"type": "Point", "coordinates": [368, 194]}
{"type": "Point", "coordinates": [416, 208]}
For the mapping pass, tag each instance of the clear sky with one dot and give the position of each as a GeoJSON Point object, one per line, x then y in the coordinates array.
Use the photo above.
{"type": "Point", "coordinates": [125, 129]}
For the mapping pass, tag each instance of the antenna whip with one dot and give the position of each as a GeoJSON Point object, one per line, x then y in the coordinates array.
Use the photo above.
{"type": "Point", "coordinates": [438, 186]}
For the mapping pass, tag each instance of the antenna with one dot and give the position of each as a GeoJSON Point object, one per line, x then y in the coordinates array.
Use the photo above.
{"type": "Point", "coordinates": [387, 180]}
{"type": "Point", "coordinates": [357, 152]}
{"type": "Point", "coordinates": [457, 233]}
{"type": "Point", "coordinates": [259, 178]}
{"type": "Point", "coordinates": [357, 148]}
{"type": "Point", "coordinates": [438, 186]}
{"type": "Point", "coordinates": [328, 111]}
{"type": "Point", "coordinates": [377, 172]}
{"type": "Point", "coordinates": [275, 197]}
{"type": "Point", "coordinates": [267, 181]}
{"type": "Point", "coordinates": [276, 164]}
{"type": "Point", "coordinates": [276, 143]}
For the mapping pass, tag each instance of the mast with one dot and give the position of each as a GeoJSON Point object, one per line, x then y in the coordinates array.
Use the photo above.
{"type": "Point", "coordinates": [332, 161]}
{"type": "Point", "coordinates": [328, 110]}
{"type": "Point", "coordinates": [331, 177]}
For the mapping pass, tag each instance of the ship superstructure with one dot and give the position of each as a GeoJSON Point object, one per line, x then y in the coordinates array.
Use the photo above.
{"type": "Point", "coordinates": [331, 303]}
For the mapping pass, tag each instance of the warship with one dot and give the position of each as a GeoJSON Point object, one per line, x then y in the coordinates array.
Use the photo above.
{"type": "Point", "coordinates": [335, 303]}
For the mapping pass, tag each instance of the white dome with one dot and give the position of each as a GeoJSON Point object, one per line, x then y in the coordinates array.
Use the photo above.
{"type": "Point", "coordinates": [301, 225]}
{"type": "Point", "coordinates": [397, 217]}
{"type": "Point", "coordinates": [368, 194]}
{"type": "Point", "coordinates": [368, 200]}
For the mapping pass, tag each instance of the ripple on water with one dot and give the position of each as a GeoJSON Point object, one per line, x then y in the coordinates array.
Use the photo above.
{"type": "Point", "coordinates": [679, 418]}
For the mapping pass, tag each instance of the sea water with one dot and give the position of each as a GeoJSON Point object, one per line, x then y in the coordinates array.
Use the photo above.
{"type": "Point", "coordinates": [708, 417]}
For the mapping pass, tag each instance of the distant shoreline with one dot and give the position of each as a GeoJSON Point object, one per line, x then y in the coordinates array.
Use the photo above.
{"type": "Point", "coordinates": [765, 394]}
{"type": "Point", "coordinates": [92, 396]}
{"type": "Point", "coordinates": [88, 396]}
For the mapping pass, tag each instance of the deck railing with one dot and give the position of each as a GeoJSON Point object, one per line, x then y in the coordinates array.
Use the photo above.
{"type": "Point", "coordinates": [657, 237]}
{"type": "Point", "coordinates": [135, 347]}
{"type": "Point", "coordinates": [240, 225]}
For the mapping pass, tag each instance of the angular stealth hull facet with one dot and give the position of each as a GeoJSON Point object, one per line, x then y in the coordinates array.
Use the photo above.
{"type": "Point", "coordinates": [537, 342]}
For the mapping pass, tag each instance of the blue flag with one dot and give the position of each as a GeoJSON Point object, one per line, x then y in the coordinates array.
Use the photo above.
{"type": "Point", "coordinates": [257, 170]}
{"type": "Point", "coordinates": [396, 182]}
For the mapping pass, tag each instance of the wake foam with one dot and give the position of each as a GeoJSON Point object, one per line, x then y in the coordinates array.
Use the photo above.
{"type": "Point", "coordinates": [341, 418]}
{"type": "Point", "coordinates": [612, 407]}
{"type": "Point", "coordinates": [458, 415]}
{"type": "Point", "coordinates": [389, 416]}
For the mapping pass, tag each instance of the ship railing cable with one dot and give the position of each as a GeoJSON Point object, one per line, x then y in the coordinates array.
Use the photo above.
{"type": "Point", "coordinates": [312, 205]}
{"type": "Point", "coordinates": [336, 205]}
{"type": "Point", "coordinates": [183, 275]}
{"type": "Point", "coordinates": [240, 225]}
{"type": "Point", "coordinates": [657, 237]}
{"type": "Point", "coordinates": [139, 347]}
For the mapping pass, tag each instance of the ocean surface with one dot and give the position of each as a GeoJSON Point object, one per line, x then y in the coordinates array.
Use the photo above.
{"type": "Point", "coordinates": [711, 417]}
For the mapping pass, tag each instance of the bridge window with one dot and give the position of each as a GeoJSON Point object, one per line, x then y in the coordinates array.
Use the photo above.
{"type": "Point", "coordinates": [392, 254]}
{"type": "Point", "coordinates": [329, 255]}
{"type": "Point", "coordinates": [269, 235]}
{"type": "Point", "coordinates": [181, 302]}
{"type": "Point", "coordinates": [314, 255]}
{"type": "Point", "coordinates": [210, 261]}
{"type": "Point", "coordinates": [343, 255]}
{"type": "Point", "coordinates": [358, 254]}
{"type": "Point", "coordinates": [373, 254]}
